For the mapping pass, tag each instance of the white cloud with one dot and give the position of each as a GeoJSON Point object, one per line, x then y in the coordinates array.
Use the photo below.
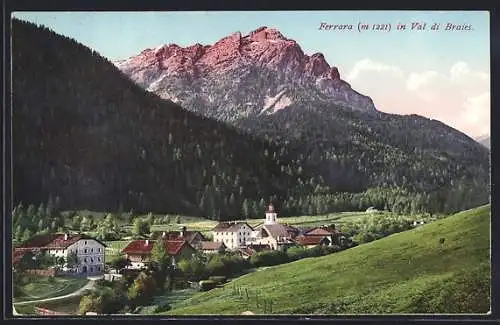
{"type": "Point", "coordinates": [369, 65]}
{"type": "Point", "coordinates": [415, 80]}
{"type": "Point", "coordinates": [459, 97]}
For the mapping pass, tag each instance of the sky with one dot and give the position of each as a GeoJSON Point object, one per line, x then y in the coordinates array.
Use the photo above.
{"type": "Point", "coordinates": [441, 74]}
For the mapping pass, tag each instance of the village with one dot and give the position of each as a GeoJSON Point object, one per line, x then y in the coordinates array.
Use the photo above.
{"type": "Point", "coordinates": [200, 260]}
{"type": "Point", "coordinates": [236, 237]}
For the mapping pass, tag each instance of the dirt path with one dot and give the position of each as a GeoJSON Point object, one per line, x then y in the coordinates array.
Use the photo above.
{"type": "Point", "coordinates": [78, 292]}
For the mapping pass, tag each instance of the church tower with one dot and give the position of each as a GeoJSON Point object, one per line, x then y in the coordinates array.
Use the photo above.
{"type": "Point", "coordinates": [271, 215]}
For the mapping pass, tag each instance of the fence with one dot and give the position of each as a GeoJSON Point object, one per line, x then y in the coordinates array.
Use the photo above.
{"type": "Point", "coordinates": [47, 312]}
{"type": "Point", "coordinates": [252, 298]}
{"type": "Point", "coordinates": [42, 272]}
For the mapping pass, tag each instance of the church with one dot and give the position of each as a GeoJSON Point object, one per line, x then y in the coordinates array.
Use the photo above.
{"type": "Point", "coordinates": [271, 233]}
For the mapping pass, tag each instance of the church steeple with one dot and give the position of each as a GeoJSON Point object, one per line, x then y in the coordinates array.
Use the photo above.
{"type": "Point", "coordinates": [271, 215]}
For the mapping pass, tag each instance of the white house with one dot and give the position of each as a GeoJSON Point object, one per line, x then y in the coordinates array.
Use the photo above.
{"type": "Point", "coordinates": [232, 234]}
{"type": "Point", "coordinates": [90, 252]}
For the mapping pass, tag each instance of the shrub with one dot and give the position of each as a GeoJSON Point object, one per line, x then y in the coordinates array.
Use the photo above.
{"type": "Point", "coordinates": [206, 285]}
{"type": "Point", "coordinates": [162, 307]}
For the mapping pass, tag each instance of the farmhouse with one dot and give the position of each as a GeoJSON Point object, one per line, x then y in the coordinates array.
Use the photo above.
{"type": "Point", "coordinates": [247, 252]}
{"type": "Point", "coordinates": [211, 247]}
{"type": "Point", "coordinates": [332, 235]}
{"type": "Point", "coordinates": [232, 234]}
{"type": "Point", "coordinates": [139, 251]}
{"type": "Point", "coordinates": [194, 238]}
{"type": "Point", "coordinates": [89, 251]}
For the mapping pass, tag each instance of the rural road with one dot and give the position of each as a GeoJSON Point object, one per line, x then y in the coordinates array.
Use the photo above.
{"type": "Point", "coordinates": [88, 286]}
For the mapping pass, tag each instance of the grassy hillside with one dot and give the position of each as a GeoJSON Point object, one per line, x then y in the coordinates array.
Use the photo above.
{"type": "Point", "coordinates": [409, 272]}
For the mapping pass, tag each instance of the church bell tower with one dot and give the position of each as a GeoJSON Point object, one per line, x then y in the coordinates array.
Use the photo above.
{"type": "Point", "coordinates": [271, 215]}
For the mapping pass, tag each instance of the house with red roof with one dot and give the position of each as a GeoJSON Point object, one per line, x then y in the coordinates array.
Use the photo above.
{"type": "Point", "coordinates": [139, 251]}
{"type": "Point", "coordinates": [90, 252]}
{"type": "Point", "coordinates": [333, 235]}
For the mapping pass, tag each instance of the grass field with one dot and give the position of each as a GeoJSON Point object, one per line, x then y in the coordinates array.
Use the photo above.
{"type": "Point", "coordinates": [305, 221]}
{"type": "Point", "coordinates": [43, 287]}
{"type": "Point", "coordinates": [409, 272]}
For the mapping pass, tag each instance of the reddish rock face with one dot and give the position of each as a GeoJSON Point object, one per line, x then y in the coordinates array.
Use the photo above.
{"type": "Point", "coordinates": [264, 47]}
{"type": "Point", "coordinates": [242, 76]}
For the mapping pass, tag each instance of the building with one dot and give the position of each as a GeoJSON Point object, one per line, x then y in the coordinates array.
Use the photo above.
{"type": "Point", "coordinates": [90, 252]}
{"type": "Point", "coordinates": [139, 251]}
{"type": "Point", "coordinates": [313, 241]}
{"type": "Point", "coordinates": [211, 247]}
{"type": "Point", "coordinates": [333, 235]}
{"type": "Point", "coordinates": [232, 234]}
{"type": "Point", "coordinates": [273, 233]}
{"type": "Point", "coordinates": [247, 252]}
{"type": "Point", "coordinates": [194, 238]}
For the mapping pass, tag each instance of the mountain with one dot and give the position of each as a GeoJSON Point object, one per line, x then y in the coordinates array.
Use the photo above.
{"type": "Point", "coordinates": [485, 140]}
{"type": "Point", "coordinates": [241, 76]}
{"type": "Point", "coordinates": [264, 84]}
{"type": "Point", "coordinates": [83, 132]}
{"type": "Point", "coordinates": [410, 272]}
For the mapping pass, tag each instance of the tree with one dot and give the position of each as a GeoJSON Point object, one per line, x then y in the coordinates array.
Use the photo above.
{"type": "Point", "coordinates": [150, 219]}
{"type": "Point", "coordinates": [120, 263]}
{"type": "Point", "coordinates": [142, 290]}
{"type": "Point", "coordinates": [26, 262]}
{"type": "Point", "coordinates": [246, 208]}
{"type": "Point", "coordinates": [72, 260]}
{"type": "Point", "coordinates": [141, 227]}
{"type": "Point", "coordinates": [76, 222]}
{"type": "Point", "coordinates": [26, 235]}
{"type": "Point", "coordinates": [60, 262]}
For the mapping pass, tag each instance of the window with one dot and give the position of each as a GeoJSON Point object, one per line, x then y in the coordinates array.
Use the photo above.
{"type": "Point", "coordinates": [85, 242]}
{"type": "Point", "coordinates": [98, 268]}
{"type": "Point", "coordinates": [100, 249]}
{"type": "Point", "coordinates": [85, 251]}
{"type": "Point", "coordinates": [91, 250]}
{"type": "Point", "coordinates": [98, 259]}
{"type": "Point", "coordinates": [85, 260]}
{"type": "Point", "coordinates": [64, 251]}
{"type": "Point", "coordinates": [91, 269]}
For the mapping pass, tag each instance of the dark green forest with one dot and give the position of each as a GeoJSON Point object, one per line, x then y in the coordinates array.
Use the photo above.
{"type": "Point", "coordinates": [86, 134]}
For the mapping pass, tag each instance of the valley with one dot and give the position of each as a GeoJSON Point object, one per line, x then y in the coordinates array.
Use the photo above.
{"type": "Point", "coordinates": [242, 176]}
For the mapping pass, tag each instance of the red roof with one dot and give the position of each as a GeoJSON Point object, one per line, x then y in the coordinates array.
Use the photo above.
{"type": "Point", "coordinates": [55, 241]}
{"type": "Point", "coordinates": [309, 240]}
{"type": "Point", "coordinates": [17, 255]}
{"type": "Point", "coordinates": [320, 231]}
{"type": "Point", "coordinates": [144, 247]}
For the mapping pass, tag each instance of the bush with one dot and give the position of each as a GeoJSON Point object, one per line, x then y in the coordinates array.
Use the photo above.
{"type": "Point", "coordinates": [162, 307]}
{"type": "Point", "coordinates": [269, 258]}
{"type": "Point", "coordinates": [206, 285]}
{"type": "Point", "coordinates": [296, 253]}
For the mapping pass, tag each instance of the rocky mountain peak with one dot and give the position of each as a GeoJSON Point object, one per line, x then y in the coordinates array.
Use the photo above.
{"type": "Point", "coordinates": [246, 72]}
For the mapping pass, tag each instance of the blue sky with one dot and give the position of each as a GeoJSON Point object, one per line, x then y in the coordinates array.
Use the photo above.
{"type": "Point", "coordinates": [119, 35]}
